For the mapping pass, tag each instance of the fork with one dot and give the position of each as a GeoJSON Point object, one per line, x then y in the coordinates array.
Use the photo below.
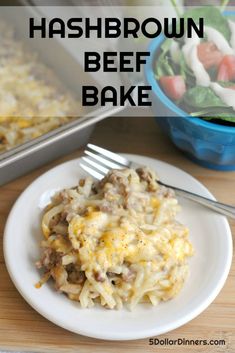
{"type": "Point", "coordinates": [100, 161]}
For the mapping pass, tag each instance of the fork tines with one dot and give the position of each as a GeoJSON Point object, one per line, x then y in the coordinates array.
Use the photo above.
{"type": "Point", "coordinates": [99, 161]}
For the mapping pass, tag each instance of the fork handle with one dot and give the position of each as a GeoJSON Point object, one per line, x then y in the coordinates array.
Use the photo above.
{"type": "Point", "coordinates": [221, 208]}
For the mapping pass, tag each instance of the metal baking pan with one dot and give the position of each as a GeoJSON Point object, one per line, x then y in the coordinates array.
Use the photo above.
{"type": "Point", "coordinates": [59, 142]}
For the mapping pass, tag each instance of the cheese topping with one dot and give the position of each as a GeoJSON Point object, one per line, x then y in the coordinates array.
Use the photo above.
{"type": "Point", "coordinates": [116, 241]}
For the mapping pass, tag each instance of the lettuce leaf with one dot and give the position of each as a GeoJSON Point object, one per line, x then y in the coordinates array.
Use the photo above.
{"type": "Point", "coordinates": [212, 17]}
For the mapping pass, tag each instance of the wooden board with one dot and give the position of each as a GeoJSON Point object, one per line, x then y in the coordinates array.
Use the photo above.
{"type": "Point", "coordinates": [22, 328]}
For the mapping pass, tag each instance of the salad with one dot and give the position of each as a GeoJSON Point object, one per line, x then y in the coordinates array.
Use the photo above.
{"type": "Point", "coordinates": [199, 74]}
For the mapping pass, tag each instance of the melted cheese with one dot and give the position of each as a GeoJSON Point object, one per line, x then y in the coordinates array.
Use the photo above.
{"type": "Point", "coordinates": [125, 249]}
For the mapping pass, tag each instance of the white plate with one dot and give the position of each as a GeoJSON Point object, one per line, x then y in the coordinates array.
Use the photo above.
{"type": "Point", "coordinates": [209, 233]}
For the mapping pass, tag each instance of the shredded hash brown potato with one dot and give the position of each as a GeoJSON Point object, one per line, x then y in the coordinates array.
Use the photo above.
{"type": "Point", "coordinates": [32, 100]}
{"type": "Point", "coordinates": [115, 241]}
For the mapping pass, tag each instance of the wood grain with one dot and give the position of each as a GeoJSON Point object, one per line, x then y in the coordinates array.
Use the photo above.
{"type": "Point", "coordinates": [23, 328]}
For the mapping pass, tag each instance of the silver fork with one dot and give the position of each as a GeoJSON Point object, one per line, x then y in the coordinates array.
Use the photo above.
{"type": "Point", "coordinates": [100, 161]}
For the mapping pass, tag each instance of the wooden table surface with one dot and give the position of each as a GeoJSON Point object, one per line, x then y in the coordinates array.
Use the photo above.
{"type": "Point", "coordinates": [22, 328]}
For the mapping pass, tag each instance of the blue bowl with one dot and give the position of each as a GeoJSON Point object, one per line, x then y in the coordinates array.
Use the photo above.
{"type": "Point", "coordinates": [211, 145]}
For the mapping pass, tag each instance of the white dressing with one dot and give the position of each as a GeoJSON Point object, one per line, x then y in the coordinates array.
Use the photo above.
{"type": "Point", "coordinates": [202, 76]}
{"type": "Point", "coordinates": [191, 57]}
{"type": "Point", "coordinates": [175, 51]}
{"type": "Point", "coordinates": [219, 40]}
{"type": "Point", "coordinates": [227, 95]}
{"type": "Point", "coordinates": [232, 29]}
{"type": "Point", "coordinates": [190, 52]}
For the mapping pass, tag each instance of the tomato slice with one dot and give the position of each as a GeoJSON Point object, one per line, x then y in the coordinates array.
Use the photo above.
{"type": "Point", "coordinates": [226, 71]}
{"type": "Point", "coordinates": [209, 54]}
{"type": "Point", "coordinates": [173, 86]}
{"type": "Point", "coordinates": [223, 74]}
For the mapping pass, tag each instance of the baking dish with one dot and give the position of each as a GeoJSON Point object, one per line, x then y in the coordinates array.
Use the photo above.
{"type": "Point", "coordinates": [23, 158]}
